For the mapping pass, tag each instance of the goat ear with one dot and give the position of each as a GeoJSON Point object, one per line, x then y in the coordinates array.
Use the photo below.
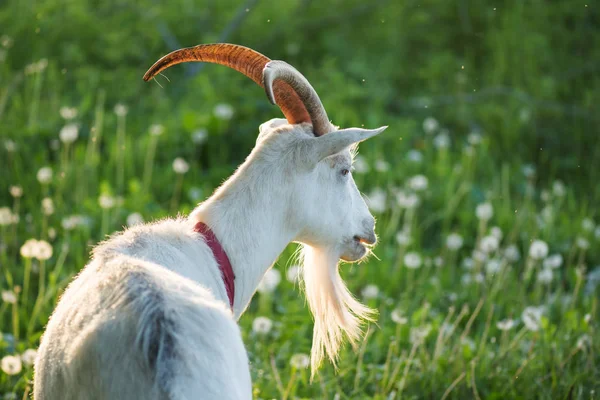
{"type": "Point", "coordinates": [334, 142]}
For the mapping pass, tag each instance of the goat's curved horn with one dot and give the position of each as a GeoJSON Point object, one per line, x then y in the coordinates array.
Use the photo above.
{"type": "Point", "coordinates": [281, 71]}
{"type": "Point", "coordinates": [247, 61]}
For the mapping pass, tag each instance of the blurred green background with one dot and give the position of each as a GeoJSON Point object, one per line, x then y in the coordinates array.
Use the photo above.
{"type": "Point", "coordinates": [491, 102]}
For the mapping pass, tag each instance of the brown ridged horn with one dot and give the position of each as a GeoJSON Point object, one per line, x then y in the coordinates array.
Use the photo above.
{"type": "Point", "coordinates": [276, 71]}
{"type": "Point", "coordinates": [247, 61]}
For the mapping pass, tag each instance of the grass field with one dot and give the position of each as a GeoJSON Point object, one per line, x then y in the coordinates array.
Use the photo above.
{"type": "Point", "coordinates": [486, 278]}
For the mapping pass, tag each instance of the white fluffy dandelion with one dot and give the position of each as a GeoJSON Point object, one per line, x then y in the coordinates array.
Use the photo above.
{"type": "Point", "coordinates": [156, 129]}
{"type": "Point", "coordinates": [43, 250]}
{"type": "Point", "coordinates": [442, 140]}
{"type": "Point", "coordinates": [506, 324]}
{"type": "Point", "coordinates": [269, 281]}
{"type": "Point", "coordinates": [418, 183]}
{"type": "Point", "coordinates": [532, 318]}
{"type": "Point", "coordinates": [430, 125]}
{"type": "Point", "coordinates": [414, 156]}
{"type": "Point", "coordinates": [199, 136]}
{"type": "Point", "coordinates": [484, 211]}
{"type": "Point", "coordinates": [454, 241]}
{"type": "Point", "coordinates": [360, 165]}
{"type": "Point", "coordinates": [68, 113]}
{"type": "Point", "coordinates": [44, 175]}
{"type": "Point", "coordinates": [538, 250]}
{"type": "Point", "coordinates": [376, 200]}
{"type": "Point", "coordinates": [407, 200]}
{"type": "Point", "coordinates": [223, 111]}
{"type": "Point", "coordinates": [16, 191]}
{"type": "Point", "coordinates": [403, 237]}
{"type": "Point", "coordinates": [412, 260]}
{"type": "Point", "coordinates": [489, 244]}
{"type": "Point", "coordinates": [29, 248]}
{"type": "Point", "coordinates": [47, 206]}
{"type": "Point", "coordinates": [370, 292]}
{"type": "Point", "coordinates": [180, 166]}
{"type": "Point", "coordinates": [135, 219]}
{"type": "Point", "coordinates": [106, 201]}
{"type": "Point", "coordinates": [398, 318]}
{"type": "Point", "coordinates": [69, 133]}
{"type": "Point", "coordinates": [262, 325]}
{"type": "Point", "coordinates": [11, 365]}
{"type": "Point", "coordinates": [293, 273]}
{"type": "Point", "coordinates": [512, 253]}
{"type": "Point", "coordinates": [545, 276]}
{"type": "Point", "coordinates": [300, 361]}
{"type": "Point", "coordinates": [553, 261]}
{"type": "Point", "coordinates": [120, 109]}
{"type": "Point", "coordinates": [28, 357]}
{"type": "Point", "coordinates": [8, 296]}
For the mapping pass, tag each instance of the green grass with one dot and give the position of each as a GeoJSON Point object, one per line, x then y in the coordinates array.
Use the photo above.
{"type": "Point", "coordinates": [513, 91]}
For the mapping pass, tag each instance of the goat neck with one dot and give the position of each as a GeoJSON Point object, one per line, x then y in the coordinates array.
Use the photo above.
{"type": "Point", "coordinates": [252, 228]}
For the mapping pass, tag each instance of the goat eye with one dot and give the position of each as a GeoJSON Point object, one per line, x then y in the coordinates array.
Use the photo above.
{"type": "Point", "coordinates": [345, 172]}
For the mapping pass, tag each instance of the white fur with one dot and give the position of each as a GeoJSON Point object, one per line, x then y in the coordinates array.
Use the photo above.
{"type": "Point", "coordinates": [149, 318]}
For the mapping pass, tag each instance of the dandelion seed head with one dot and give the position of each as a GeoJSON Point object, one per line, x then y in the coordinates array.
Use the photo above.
{"type": "Point", "coordinates": [120, 110]}
{"type": "Point", "coordinates": [262, 325]}
{"type": "Point", "coordinates": [360, 165]}
{"type": "Point", "coordinates": [442, 140]}
{"type": "Point", "coordinates": [545, 276]}
{"type": "Point", "coordinates": [430, 125]}
{"type": "Point", "coordinates": [44, 175]}
{"type": "Point", "coordinates": [43, 250]}
{"type": "Point", "coordinates": [11, 365]}
{"type": "Point", "coordinates": [106, 201]}
{"type": "Point", "coordinates": [370, 291]}
{"type": "Point", "coordinates": [47, 206]}
{"type": "Point", "coordinates": [412, 260]}
{"type": "Point", "coordinates": [553, 261]}
{"type": "Point", "coordinates": [582, 243]}
{"type": "Point", "coordinates": [559, 189]}
{"type": "Point", "coordinates": [134, 219]}
{"type": "Point", "coordinates": [199, 136]}
{"type": "Point", "coordinates": [376, 200]}
{"type": "Point", "coordinates": [454, 241]}
{"type": "Point", "coordinates": [156, 129]}
{"type": "Point", "coordinates": [538, 250]}
{"type": "Point", "coordinates": [496, 232]}
{"type": "Point", "coordinates": [68, 113]}
{"type": "Point", "coordinates": [532, 318]}
{"type": "Point", "coordinates": [407, 200]}
{"type": "Point", "coordinates": [489, 244]}
{"type": "Point", "coordinates": [474, 138]}
{"type": "Point", "coordinates": [300, 361]}
{"type": "Point", "coordinates": [415, 156]}
{"type": "Point", "coordinates": [381, 165]}
{"type": "Point", "coordinates": [293, 274]}
{"type": "Point", "coordinates": [398, 318]}
{"type": "Point", "coordinates": [180, 166]}
{"type": "Point", "coordinates": [69, 133]}
{"type": "Point", "coordinates": [9, 296]}
{"type": "Point", "coordinates": [269, 281]}
{"type": "Point", "coordinates": [29, 248]}
{"type": "Point", "coordinates": [484, 211]}
{"type": "Point", "coordinates": [418, 183]}
{"type": "Point", "coordinates": [403, 237]}
{"type": "Point", "coordinates": [223, 111]}
{"type": "Point", "coordinates": [506, 324]}
{"type": "Point", "coordinates": [493, 266]}
{"type": "Point", "coordinates": [28, 357]}
{"type": "Point", "coordinates": [16, 191]}
{"type": "Point", "coordinates": [6, 216]}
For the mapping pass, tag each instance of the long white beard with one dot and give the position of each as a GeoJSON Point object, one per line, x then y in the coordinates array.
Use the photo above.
{"type": "Point", "coordinates": [335, 310]}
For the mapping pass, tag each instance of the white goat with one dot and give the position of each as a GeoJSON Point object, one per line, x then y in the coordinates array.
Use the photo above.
{"type": "Point", "coordinates": [150, 318]}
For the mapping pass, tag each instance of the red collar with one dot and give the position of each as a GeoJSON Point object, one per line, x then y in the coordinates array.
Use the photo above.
{"type": "Point", "coordinates": [221, 257]}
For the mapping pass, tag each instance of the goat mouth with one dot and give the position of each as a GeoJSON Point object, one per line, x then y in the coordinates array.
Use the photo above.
{"type": "Point", "coordinates": [363, 241]}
